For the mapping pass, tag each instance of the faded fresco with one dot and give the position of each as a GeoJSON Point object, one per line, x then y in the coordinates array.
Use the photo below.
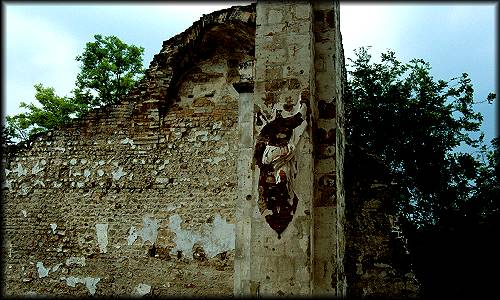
{"type": "Point", "coordinates": [274, 151]}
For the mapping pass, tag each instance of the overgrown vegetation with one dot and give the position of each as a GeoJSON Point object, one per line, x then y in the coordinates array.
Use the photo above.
{"type": "Point", "coordinates": [109, 69]}
{"type": "Point", "coordinates": [448, 200]}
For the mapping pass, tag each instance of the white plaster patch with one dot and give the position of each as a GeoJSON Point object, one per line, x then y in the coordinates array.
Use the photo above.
{"type": "Point", "coordinates": [89, 282]}
{"type": "Point", "coordinates": [53, 226]}
{"type": "Point", "coordinates": [172, 207]}
{"type": "Point", "coordinates": [101, 162]}
{"type": "Point", "coordinates": [142, 289]}
{"type": "Point", "coordinates": [165, 163]}
{"type": "Point", "coordinates": [86, 173]}
{"type": "Point", "coordinates": [36, 169]}
{"type": "Point", "coordinates": [148, 232]}
{"type": "Point", "coordinates": [57, 184]}
{"type": "Point", "coordinates": [127, 141]}
{"type": "Point", "coordinates": [25, 214]}
{"type": "Point", "coordinates": [83, 161]}
{"type": "Point", "coordinates": [80, 261]}
{"type": "Point", "coordinates": [217, 125]}
{"type": "Point", "coordinates": [20, 170]}
{"type": "Point", "coordinates": [56, 267]}
{"type": "Point", "coordinates": [6, 184]}
{"type": "Point", "coordinates": [73, 161]}
{"type": "Point", "coordinates": [24, 189]}
{"type": "Point", "coordinates": [38, 182]}
{"type": "Point", "coordinates": [62, 149]}
{"type": "Point", "coordinates": [214, 160]}
{"type": "Point", "coordinates": [100, 173]}
{"type": "Point", "coordinates": [117, 174]}
{"type": "Point", "coordinates": [215, 238]}
{"type": "Point", "coordinates": [162, 180]}
{"type": "Point", "coordinates": [223, 149]}
{"type": "Point", "coordinates": [102, 237]}
{"type": "Point", "coordinates": [218, 159]}
{"type": "Point", "coordinates": [203, 134]}
{"type": "Point", "coordinates": [80, 184]}
{"type": "Point", "coordinates": [42, 271]}
{"type": "Point", "coordinates": [132, 235]}
{"type": "Point", "coordinates": [43, 162]}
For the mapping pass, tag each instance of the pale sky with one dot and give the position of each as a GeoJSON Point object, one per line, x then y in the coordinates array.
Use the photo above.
{"type": "Point", "coordinates": [42, 40]}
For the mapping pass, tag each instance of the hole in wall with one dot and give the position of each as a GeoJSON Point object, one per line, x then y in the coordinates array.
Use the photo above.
{"type": "Point", "coordinates": [152, 251]}
{"type": "Point", "coordinates": [223, 255]}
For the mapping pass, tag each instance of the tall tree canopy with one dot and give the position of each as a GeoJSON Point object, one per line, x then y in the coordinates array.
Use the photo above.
{"type": "Point", "coordinates": [108, 71]}
{"type": "Point", "coordinates": [399, 112]}
{"type": "Point", "coordinates": [449, 200]}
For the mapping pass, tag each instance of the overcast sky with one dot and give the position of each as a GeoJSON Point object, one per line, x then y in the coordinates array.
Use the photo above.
{"type": "Point", "coordinates": [41, 41]}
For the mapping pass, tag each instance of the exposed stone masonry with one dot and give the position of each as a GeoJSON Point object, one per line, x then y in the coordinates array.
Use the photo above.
{"type": "Point", "coordinates": [141, 193]}
{"type": "Point", "coordinates": [162, 193]}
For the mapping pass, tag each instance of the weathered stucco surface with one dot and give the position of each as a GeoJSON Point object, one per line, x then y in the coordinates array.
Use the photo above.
{"type": "Point", "coordinates": [138, 197]}
{"type": "Point", "coordinates": [193, 185]}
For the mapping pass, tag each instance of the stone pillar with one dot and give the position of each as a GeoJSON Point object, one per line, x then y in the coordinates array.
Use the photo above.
{"type": "Point", "coordinates": [328, 211]}
{"type": "Point", "coordinates": [244, 199]}
{"type": "Point", "coordinates": [289, 236]}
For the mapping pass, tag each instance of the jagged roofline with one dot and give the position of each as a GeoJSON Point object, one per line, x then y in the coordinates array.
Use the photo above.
{"type": "Point", "coordinates": [223, 16]}
{"type": "Point", "coordinates": [166, 60]}
{"type": "Point", "coordinates": [184, 50]}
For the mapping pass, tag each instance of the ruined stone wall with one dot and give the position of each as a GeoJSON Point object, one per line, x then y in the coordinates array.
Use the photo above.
{"type": "Point", "coordinates": [377, 261]}
{"type": "Point", "coordinates": [172, 190]}
{"type": "Point", "coordinates": [138, 197]}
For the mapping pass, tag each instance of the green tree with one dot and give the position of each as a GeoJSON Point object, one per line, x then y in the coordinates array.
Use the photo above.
{"type": "Point", "coordinates": [399, 112]}
{"type": "Point", "coordinates": [448, 200]}
{"type": "Point", "coordinates": [52, 112]}
{"type": "Point", "coordinates": [109, 69]}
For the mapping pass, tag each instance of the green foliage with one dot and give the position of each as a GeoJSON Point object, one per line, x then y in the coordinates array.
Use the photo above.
{"type": "Point", "coordinates": [52, 112]}
{"type": "Point", "coordinates": [109, 70]}
{"type": "Point", "coordinates": [399, 112]}
{"type": "Point", "coordinates": [449, 201]}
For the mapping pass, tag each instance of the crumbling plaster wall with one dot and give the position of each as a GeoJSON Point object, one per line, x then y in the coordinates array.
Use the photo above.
{"type": "Point", "coordinates": [137, 197]}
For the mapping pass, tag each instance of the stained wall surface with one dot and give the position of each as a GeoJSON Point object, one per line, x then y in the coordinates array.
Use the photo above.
{"type": "Point", "coordinates": [292, 234]}
{"type": "Point", "coordinates": [138, 197]}
{"type": "Point", "coordinates": [277, 232]}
